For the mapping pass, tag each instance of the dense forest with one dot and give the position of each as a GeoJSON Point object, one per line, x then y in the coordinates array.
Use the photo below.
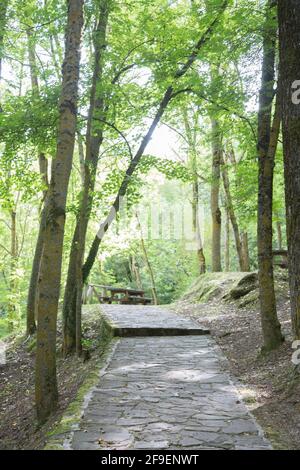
{"type": "Point", "coordinates": [144, 145]}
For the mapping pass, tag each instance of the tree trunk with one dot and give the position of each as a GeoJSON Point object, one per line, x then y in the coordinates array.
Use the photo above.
{"type": "Point", "coordinates": [233, 219]}
{"type": "Point", "coordinates": [43, 166]}
{"type": "Point", "coordinates": [267, 142]}
{"type": "Point", "coordinates": [13, 265]}
{"type": "Point", "coordinates": [32, 62]}
{"type": "Point", "coordinates": [279, 235]}
{"type": "Point", "coordinates": [191, 137]}
{"type": "Point", "coordinates": [196, 228]}
{"type": "Point", "coordinates": [245, 252]}
{"type": "Point", "coordinates": [148, 264]}
{"type": "Point", "coordinates": [216, 142]}
{"type": "Point", "coordinates": [169, 94]}
{"type": "Point", "coordinates": [289, 38]}
{"type": "Point", "coordinates": [227, 241]}
{"type": "Point", "coordinates": [136, 272]}
{"type": "Point", "coordinates": [46, 392]}
{"type": "Point", "coordinates": [94, 139]}
{"type": "Point", "coordinates": [81, 158]}
{"type": "Point", "coordinates": [31, 308]}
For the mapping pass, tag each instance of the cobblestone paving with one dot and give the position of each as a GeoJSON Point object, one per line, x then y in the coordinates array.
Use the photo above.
{"type": "Point", "coordinates": [166, 393]}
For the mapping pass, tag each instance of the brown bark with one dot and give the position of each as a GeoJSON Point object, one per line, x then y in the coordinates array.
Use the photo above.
{"type": "Point", "coordinates": [216, 143]}
{"type": "Point", "coordinates": [46, 392]}
{"type": "Point", "coordinates": [136, 272]}
{"type": "Point", "coordinates": [267, 142]}
{"type": "Point", "coordinates": [196, 228]}
{"type": "Point", "coordinates": [43, 167]}
{"type": "Point", "coordinates": [279, 235]}
{"type": "Point", "coordinates": [32, 62]}
{"type": "Point", "coordinates": [169, 94]}
{"type": "Point", "coordinates": [227, 241]}
{"type": "Point", "coordinates": [13, 265]}
{"type": "Point", "coordinates": [31, 308]}
{"type": "Point", "coordinates": [245, 252]}
{"type": "Point", "coordinates": [289, 39]}
{"type": "Point", "coordinates": [81, 158]}
{"type": "Point", "coordinates": [231, 212]}
{"type": "Point", "coordinates": [191, 137]}
{"type": "Point", "coordinates": [148, 264]}
{"type": "Point", "coordinates": [94, 137]}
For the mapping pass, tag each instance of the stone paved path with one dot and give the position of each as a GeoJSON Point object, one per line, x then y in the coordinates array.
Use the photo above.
{"type": "Point", "coordinates": [165, 393]}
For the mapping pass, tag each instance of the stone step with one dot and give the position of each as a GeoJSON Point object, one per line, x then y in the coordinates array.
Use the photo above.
{"type": "Point", "coordinates": [133, 320]}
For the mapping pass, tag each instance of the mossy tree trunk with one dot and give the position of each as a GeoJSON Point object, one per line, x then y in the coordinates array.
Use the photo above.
{"type": "Point", "coordinates": [267, 142]}
{"type": "Point", "coordinates": [46, 393]}
{"type": "Point", "coordinates": [289, 39]}
{"type": "Point", "coordinates": [94, 137]}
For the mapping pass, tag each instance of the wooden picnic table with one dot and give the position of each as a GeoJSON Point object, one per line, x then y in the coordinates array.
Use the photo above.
{"type": "Point", "coordinates": [123, 295]}
{"type": "Point", "coordinates": [280, 258]}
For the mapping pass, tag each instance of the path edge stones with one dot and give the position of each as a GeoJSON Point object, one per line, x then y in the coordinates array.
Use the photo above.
{"type": "Point", "coordinates": [238, 386]}
{"type": "Point", "coordinates": [61, 436]}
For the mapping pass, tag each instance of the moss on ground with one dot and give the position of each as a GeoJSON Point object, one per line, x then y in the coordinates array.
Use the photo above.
{"type": "Point", "coordinates": [235, 287]}
{"type": "Point", "coordinates": [61, 433]}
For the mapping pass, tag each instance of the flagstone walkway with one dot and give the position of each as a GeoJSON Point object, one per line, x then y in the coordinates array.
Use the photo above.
{"type": "Point", "coordinates": [164, 392]}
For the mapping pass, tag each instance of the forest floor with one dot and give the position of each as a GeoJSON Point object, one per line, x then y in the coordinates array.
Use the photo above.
{"type": "Point", "coordinates": [18, 429]}
{"type": "Point", "coordinates": [269, 384]}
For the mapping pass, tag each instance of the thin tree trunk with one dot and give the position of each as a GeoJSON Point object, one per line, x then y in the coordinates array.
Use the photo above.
{"type": "Point", "coordinates": [191, 135]}
{"type": "Point", "coordinates": [43, 166]}
{"type": "Point", "coordinates": [32, 62]}
{"type": "Point", "coordinates": [31, 311]}
{"type": "Point", "coordinates": [46, 392]}
{"type": "Point", "coordinates": [13, 265]}
{"type": "Point", "coordinates": [233, 219]}
{"type": "Point", "coordinates": [94, 137]}
{"type": "Point", "coordinates": [289, 39]}
{"type": "Point", "coordinates": [148, 264]}
{"type": "Point", "coordinates": [81, 158]}
{"type": "Point", "coordinates": [196, 228]}
{"type": "Point", "coordinates": [245, 251]}
{"type": "Point", "coordinates": [279, 235]}
{"type": "Point", "coordinates": [136, 272]}
{"type": "Point", "coordinates": [227, 241]}
{"type": "Point", "coordinates": [267, 142]}
{"type": "Point", "coordinates": [169, 94]}
{"type": "Point", "coordinates": [53, 50]}
{"type": "Point", "coordinates": [216, 142]}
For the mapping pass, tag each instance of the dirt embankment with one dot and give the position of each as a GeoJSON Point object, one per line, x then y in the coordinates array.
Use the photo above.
{"type": "Point", "coordinates": [18, 427]}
